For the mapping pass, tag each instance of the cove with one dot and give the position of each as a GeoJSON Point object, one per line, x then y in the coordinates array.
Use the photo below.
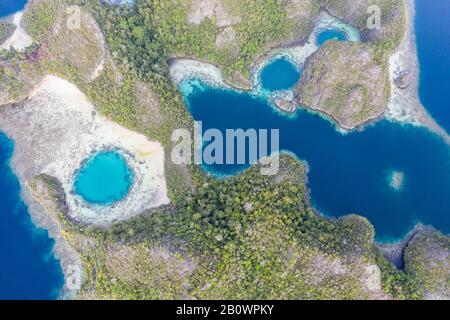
{"type": "Point", "coordinates": [104, 178]}
{"type": "Point", "coordinates": [28, 269]}
{"type": "Point", "coordinates": [330, 34]}
{"type": "Point", "coordinates": [349, 173]}
{"type": "Point", "coordinates": [432, 24]}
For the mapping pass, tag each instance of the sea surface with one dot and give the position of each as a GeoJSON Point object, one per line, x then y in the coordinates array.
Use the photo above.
{"type": "Point", "coordinates": [104, 179]}
{"type": "Point", "coordinates": [349, 173]}
{"type": "Point", "coordinates": [433, 48]}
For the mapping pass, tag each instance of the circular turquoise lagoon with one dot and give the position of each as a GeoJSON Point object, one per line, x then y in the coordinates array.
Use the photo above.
{"type": "Point", "coordinates": [280, 74]}
{"type": "Point", "coordinates": [104, 179]}
{"type": "Point", "coordinates": [330, 34]}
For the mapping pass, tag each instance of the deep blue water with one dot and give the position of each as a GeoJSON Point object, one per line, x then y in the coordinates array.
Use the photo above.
{"type": "Point", "coordinates": [330, 34]}
{"type": "Point", "coordinates": [8, 7]}
{"type": "Point", "coordinates": [104, 179]}
{"type": "Point", "coordinates": [348, 173]}
{"type": "Point", "coordinates": [279, 75]}
{"type": "Point", "coordinates": [28, 269]}
{"type": "Point", "coordinates": [433, 44]}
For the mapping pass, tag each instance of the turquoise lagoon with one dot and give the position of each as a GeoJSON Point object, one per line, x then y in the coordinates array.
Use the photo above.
{"type": "Point", "coordinates": [330, 34]}
{"type": "Point", "coordinates": [104, 179]}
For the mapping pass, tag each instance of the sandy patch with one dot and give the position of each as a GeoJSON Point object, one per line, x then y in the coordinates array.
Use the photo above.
{"type": "Point", "coordinates": [226, 38]}
{"type": "Point", "coordinates": [57, 128]}
{"type": "Point", "coordinates": [19, 40]}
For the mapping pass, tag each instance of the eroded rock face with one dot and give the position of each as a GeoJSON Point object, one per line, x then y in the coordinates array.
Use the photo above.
{"type": "Point", "coordinates": [344, 81]}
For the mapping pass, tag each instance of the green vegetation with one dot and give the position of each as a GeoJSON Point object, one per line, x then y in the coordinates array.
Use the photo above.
{"type": "Point", "coordinates": [40, 17]}
{"type": "Point", "coordinates": [249, 236]}
{"type": "Point", "coordinates": [398, 283]}
{"type": "Point", "coordinates": [144, 36]}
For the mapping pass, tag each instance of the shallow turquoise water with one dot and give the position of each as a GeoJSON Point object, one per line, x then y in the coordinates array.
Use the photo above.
{"type": "Point", "coordinates": [279, 75]}
{"type": "Point", "coordinates": [104, 179]}
{"type": "Point", "coordinates": [348, 173]}
{"type": "Point", "coordinates": [330, 34]}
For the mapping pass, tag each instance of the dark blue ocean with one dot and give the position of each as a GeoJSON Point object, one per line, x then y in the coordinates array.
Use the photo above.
{"type": "Point", "coordinates": [8, 7]}
{"type": "Point", "coordinates": [28, 269]}
{"type": "Point", "coordinates": [349, 174]}
{"type": "Point", "coordinates": [433, 46]}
